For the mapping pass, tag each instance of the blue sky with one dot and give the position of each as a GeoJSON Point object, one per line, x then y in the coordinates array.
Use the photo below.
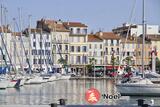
{"type": "Point", "coordinates": [97, 14]}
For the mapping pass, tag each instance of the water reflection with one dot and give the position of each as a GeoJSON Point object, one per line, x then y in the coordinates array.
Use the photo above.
{"type": "Point", "coordinates": [72, 90]}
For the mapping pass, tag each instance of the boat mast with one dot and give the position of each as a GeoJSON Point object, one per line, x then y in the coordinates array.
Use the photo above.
{"type": "Point", "coordinates": [144, 34]}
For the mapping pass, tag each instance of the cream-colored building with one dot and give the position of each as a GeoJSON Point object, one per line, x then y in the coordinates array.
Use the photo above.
{"type": "Point", "coordinates": [78, 45]}
{"type": "Point", "coordinates": [111, 43]}
{"type": "Point", "coordinates": [147, 53]}
{"type": "Point", "coordinates": [96, 51]}
{"type": "Point", "coordinates": [155, 44]}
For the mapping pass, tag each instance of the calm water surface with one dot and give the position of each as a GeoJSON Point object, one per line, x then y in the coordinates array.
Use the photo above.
{"type": "Point", "coordinates": [72, 90]}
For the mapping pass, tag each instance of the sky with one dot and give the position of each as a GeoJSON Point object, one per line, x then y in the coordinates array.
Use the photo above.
{"type": "Point", "coordinates": [97, 14]}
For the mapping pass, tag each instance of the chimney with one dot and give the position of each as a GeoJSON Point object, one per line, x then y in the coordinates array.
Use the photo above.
{"type": "Point", "coordinates": [100, 33]}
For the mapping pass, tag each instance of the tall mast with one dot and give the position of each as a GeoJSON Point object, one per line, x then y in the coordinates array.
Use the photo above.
{"type": "Point", "coordinates": [2, 32]}
{"type": "Point", "coordinates": [144, 34]}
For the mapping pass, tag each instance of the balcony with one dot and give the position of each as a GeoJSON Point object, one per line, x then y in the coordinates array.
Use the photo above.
{"type": "Point", "coordinates": [82, 34]}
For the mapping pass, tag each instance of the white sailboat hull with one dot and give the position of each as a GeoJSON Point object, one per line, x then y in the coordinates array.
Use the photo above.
{"type": "Point", "coordinates": [14, 83]}
{"type": "Point", "coordinates": [23, 80]}
{"type": "Point", "coordinates": [139, 89]}
{"type": "Point", "coordinates": [35, 80]}
{"type": "Point", "coordinates": [3, 84]}
{"type": "Point", "coordinates": [52, 78]}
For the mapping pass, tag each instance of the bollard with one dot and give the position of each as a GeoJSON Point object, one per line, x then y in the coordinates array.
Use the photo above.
{"type": "Point", "coordinates": [140, 102]}
{"type": "Point", "coordinates": [53, 104]}
{"type": "Point", "coordinates": [62, 102]}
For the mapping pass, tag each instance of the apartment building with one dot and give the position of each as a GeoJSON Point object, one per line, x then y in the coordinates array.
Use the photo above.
{"type": "Point", "coordinates": [40, 45]}
{"type": "Point", "coordinates": [96, 51]}
{"type": "Point", "coordinates": [135, 29]}
{"type": "Point", "coordinates": [111, 43]}
{"type": "Point", "coordinates": [128, 49]}
{"type": "Point", "coordinates": [60, 40]}
{"type": "Point", "coordinates": [78, 45]}
{"type": "Point", "coordinates": [155, 44]}
{"type": "Point", "coordinates": [147, 53]}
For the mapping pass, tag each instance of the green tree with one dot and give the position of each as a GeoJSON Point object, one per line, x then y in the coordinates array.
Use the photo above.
{"type": "Point", "coordinates": [63, 62]}
{"type": "Point", "coordinates": [90, 65]}
{"type": "Point", "coordinates": [158, 65]}
{"type": "Point", "coordinates": [113, 62]}
{"type": "Point", "coordinates": [129, 62]}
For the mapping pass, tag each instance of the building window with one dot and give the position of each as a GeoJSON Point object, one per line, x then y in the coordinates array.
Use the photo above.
{"type": "Point", "coordinates": [78, 59]}
{"type": "Point", "coordinates": [100, 46]}
{"type": "Point", "coordinates": [26, 52]}
{"type": "Point", "coordinates": [42, 60]}
{"type": "Point", "coordinates": [78, 49]}
{"type": "Point", "coordinates": [34, 52]}
{"type": "Point", "coordinates": [106, 51]}
{"type": "Point", "coordinates": [66, 57]}
{"type": "Point", "coordinates": [112, 51]}
{"type": "Point", "coordinates": [111, 42]}
{"type": "Point", "coordinates": [72, 59]}
{"type": "Point", "coordinates": [66, 47]}
{"type": "Point", "coordinates": [34, 44]}
{"type": "Point", "coordinates": [117, 51]}
{"type": "Point", "coordinates": [47, 44]}
{"type": "Point", "coordinates": [60, 47]}
{"type": "Point", "coordinates": [39, 52]}
{"type": "Point", "coordinates": [84, 49]}
{"type": "Point", "coordinates": [94, 53]}
{"type": "Point", "coordinates": [101, 61]}
{"type": "Point", "coordinates": [84, 59]}
{"type": "Point", "coordinates": [34, 61]}
{"type": "Point", "coordinates": [47, 36]}
{"type": "Point", "coordinates": [40, 44]}
{"type": "Point", "coordinates": [71, 30]}
{"type": "Point", "coordinates": [101, 53]}
{"type": "Point", "coordinates": [72, 48]}
{"type": "Point", "coordinates": [85, 31]}
{"type": "Point", "coordinates": [78, 30]}
{"type": "Point", "coordinates": [34, 36]}
{"type": "Point", "coordinates": [42, 52]}
{"type": "Point", "coordinates": [39, 61]}
{"type": "Point", "coordinates": [128, 54]}
{"type": "Point", "coordinates": [90, 46]}
{"type": "Point", "coordinates": [117, 42]}
{"type": "Point", "coordinates": [117, 59]}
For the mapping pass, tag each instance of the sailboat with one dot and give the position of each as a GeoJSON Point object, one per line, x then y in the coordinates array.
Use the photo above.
{"type": "Point", "coordinates": [142, 86]}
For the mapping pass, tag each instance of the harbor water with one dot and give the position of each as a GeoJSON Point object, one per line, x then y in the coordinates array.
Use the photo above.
{"type": "Point", "coordinates": [71, 90]}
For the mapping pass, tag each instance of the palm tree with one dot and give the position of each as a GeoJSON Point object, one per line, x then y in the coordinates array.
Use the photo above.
{"type": "Point", "coordinates": [63, 62]}
{"type": "Point", "coordinates": [113, 61]}
{"type": "Point", "coordinates": [90, 65]}
{"type": "Point", "coordinates": [128, 61]}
